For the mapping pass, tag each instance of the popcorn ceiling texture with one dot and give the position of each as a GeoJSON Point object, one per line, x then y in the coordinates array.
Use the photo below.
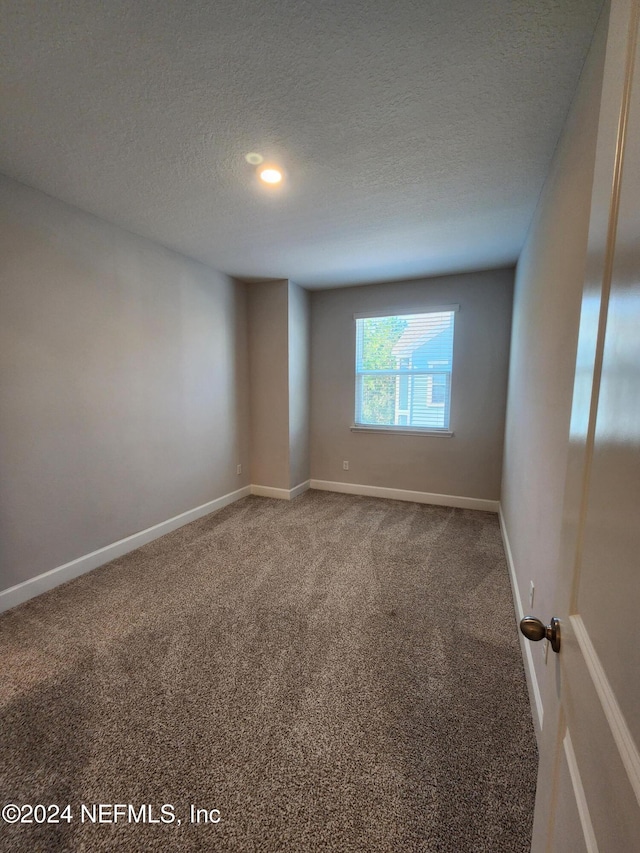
{"type": "Point", "coordinates": [335, 673]}
{"type": "Point", "coordinates": [415, 135]}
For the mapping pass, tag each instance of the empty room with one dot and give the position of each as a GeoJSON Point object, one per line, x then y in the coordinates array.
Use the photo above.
{"type": "Point", "coordinates": [319, 426]}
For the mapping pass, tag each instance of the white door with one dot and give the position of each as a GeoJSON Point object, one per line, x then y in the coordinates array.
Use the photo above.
{"type": "Point", "coordinates": [589, 779]}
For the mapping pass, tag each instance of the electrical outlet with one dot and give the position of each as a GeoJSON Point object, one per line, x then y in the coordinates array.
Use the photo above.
{"type": "Point", "coordinates": [239, 469]}
{"type": "Point", "coordinates": [345, 465]}
{"type": "Point", "coordinates": [532, 591]}
{"type": "Point", "coordinates": [545, 650]}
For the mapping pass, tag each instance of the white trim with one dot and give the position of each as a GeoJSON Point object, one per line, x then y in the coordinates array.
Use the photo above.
{"type": "Point", "coordinates": [22, 592]}
{"type": "Point", "coordinates": [578, 792]}
{"type": "Point", "coordinates": [399, 430]}
{"type": "Point", "coordinates": [394, 312]}
{"type": "Point", "coordinates": [525, 645]}
{"type": "Point", "coordinates": [405, 495]}
{"type": "Point", "coordinates": [280, 494]}
{"type": "Point", "coordinates": [270, 492]}
{"type": "Point", "coordinates": [299, 489]}
{"type": "Point", "coordinates": [617, 723]}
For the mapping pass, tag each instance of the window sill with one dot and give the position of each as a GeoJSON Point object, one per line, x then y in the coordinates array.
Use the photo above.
{"type": "Point", "coordinates": [441, 433]}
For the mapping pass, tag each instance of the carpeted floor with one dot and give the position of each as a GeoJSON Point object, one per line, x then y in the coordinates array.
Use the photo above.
{"type": "Point", "coordinates": [337, 673]}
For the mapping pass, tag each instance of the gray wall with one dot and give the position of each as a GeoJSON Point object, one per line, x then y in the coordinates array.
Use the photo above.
{"type": "Point", "coordinates": [548, 290]}
{"type": "Point", "coordinates": [268, 304]}
{"type": "Point", "coordinates": [279, 323]}
{"type": "Point", "coordinates": [299, 384]}
{"type": "Point", "coordinates": [123, 387]}
{"type": "Point", "coordinates": [467, 465]}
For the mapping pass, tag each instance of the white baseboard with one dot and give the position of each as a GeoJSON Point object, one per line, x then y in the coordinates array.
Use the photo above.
{"type": "Point", "coordinates": [405, 495]}
{"type": "Point", "coordinates": [300, 488]}
{"type": "Point", "coordinates": [525, 645]}
{"type": "Point", "coordinates": [22, 592]}
{"type": "Point", "coordinates": [281, 494]}
{"type": "Point", "coordinates": [270, 492]}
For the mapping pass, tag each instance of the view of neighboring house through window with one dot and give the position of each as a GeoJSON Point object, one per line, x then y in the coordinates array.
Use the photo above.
{"type": "Point", "coordinates": [403, 370]}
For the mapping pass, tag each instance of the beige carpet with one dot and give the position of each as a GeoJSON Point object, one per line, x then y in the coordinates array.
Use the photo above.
{"type": "Point", "coordinates": [337, 673]}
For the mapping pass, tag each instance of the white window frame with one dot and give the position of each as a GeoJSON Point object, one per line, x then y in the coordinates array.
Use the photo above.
{"type": "Point", "coordinates": [393, 429]}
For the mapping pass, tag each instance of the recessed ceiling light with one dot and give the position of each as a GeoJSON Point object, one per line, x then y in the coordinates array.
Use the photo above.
{"type": "Point", "coordinates": [271, 176]}
{"type": "Point", "coordinates": [254, 158]}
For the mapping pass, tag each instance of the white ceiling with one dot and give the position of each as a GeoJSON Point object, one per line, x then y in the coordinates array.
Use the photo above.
{"type": "Point", "coordinates": [415, 134]}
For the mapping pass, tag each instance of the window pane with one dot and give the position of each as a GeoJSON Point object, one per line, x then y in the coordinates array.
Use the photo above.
{"type": "Point", "coordinates": [379, 337]}
{"type": "Point", "coordinates": [378, 400]}
{"type": "Point", "coordinates": [439, 390]}
{"type": "Point", "coordinates": [427, 412]}
{"type": "Point", "coordinates": [403, 393]}
{"type": "Point", "coordinates": [415, 351]}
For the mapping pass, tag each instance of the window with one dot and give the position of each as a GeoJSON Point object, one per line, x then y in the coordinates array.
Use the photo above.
{"type": "Point", "coordinates": [403, 371]}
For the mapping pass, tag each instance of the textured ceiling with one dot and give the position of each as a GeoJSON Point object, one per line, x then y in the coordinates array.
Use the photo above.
{"type": "Point", "coordinates": [415, 134]}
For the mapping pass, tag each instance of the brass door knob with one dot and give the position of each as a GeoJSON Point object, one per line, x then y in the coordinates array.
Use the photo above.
{"type": "Point", "coordinates": [534, 629]}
